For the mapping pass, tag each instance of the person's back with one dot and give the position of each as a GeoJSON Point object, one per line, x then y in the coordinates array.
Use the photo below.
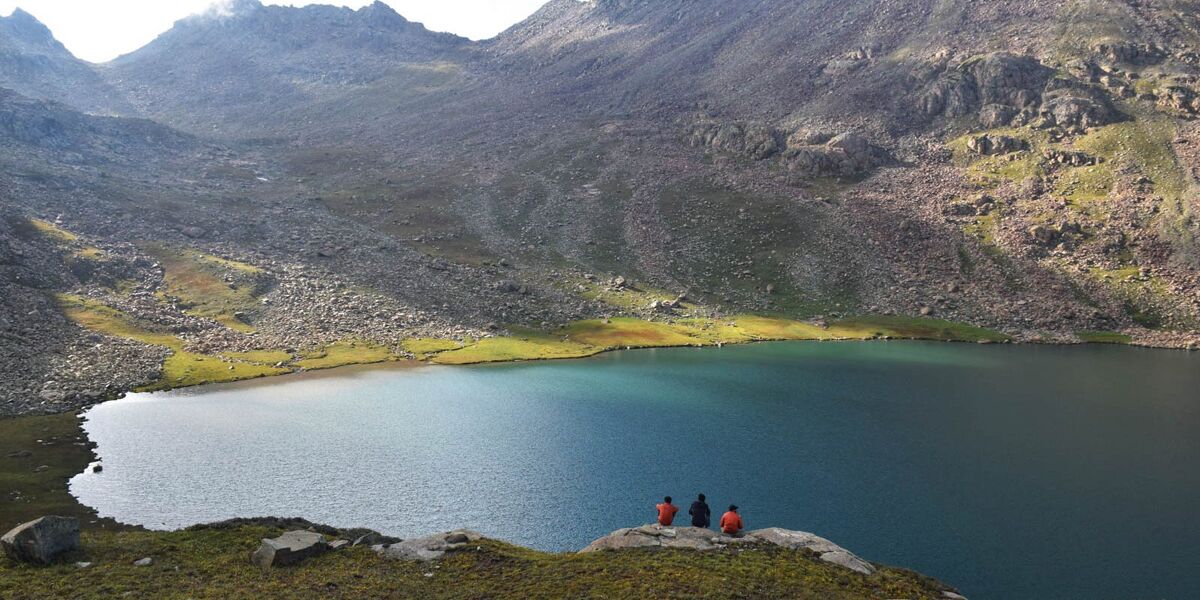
{"type": "Point", "coordinates": [666, 512]}
{"type": "Point", "coordinates": [731, 521]}
{"type": "Point", "coordinates": [701, 515]}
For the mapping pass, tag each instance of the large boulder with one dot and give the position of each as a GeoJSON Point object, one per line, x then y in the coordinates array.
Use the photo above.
{"type": "Point", "coordinates": [650, 536]}
{"type": "Point", "coordinates": [847, 154]}
{"type": "Point", "coordinates": [42, 540]}
{"type": "Point", "coordinates": [430, 547]}
{"type": "Point", "coordinates": [695, 538]}
{"type": "Point", "coordinates": [289, 549]}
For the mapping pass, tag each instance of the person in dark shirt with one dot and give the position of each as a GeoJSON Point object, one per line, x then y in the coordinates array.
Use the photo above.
{"type": "Point", "coordinates": [700, 514]}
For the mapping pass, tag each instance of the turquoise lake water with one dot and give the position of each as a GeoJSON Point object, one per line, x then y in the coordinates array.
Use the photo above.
{"type": "Point", "coordinates": [1006, 471]}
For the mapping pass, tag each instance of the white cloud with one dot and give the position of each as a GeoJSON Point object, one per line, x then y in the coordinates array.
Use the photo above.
{"type": "Point", "coordinates": [100, 30]}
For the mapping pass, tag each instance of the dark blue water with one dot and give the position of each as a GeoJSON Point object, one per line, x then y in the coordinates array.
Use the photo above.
{"type": "Point", "coordinates": [1008, 471]}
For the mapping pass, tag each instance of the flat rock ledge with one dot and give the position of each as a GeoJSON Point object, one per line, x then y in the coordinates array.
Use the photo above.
{"type": "Point", "coordinates": [695, 538]}
{"type": "Point", "coordinates": [430, 547]}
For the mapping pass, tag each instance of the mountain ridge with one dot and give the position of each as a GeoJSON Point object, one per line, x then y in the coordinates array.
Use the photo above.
{"type": "Point", "coordinates": [1023, 166]}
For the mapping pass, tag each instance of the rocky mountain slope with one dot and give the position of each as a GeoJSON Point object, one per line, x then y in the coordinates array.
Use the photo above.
{"type": "Point", "coordinates": [315, 176]}
{"type": "Point", "coordinates": [35, 64]}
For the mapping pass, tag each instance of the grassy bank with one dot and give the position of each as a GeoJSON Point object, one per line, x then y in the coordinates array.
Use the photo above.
{"type": "Point", "coordinates": [213, 563]}
{"type": "Point", "coordinates": [38, 455]}
{"type": "Point", "coordinates": [587, 338]}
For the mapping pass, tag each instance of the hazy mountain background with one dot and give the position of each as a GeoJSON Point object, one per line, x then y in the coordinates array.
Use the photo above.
{"type": "Point", "coordinates": [1027, 166]}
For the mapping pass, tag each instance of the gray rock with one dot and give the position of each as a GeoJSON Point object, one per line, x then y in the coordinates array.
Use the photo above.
{"type": "Point", "coordinates": [143, 562]}
{"type": "Point", "coordinates": [654, 535]}
{"type": "Point", "coordinates": [800, 540]}
{"type": "Point", "coordinates": [695, 538]}
{"type": "Point", "coordinates": [42, 540]}
{"type": "Point", "coordinates": [369, 539]}
{"type": "Point", "coordinates": [289, 549]}
{"type": "Point", "coordinates": [431, 547]}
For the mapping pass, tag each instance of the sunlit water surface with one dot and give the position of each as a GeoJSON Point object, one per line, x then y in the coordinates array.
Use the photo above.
{"type": "Point", "coordinates": [1008, 471]}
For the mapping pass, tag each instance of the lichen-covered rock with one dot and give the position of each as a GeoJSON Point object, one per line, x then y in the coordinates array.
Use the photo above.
{"type": "Point", "coordinates": [430, 547]}
{"type": "Point", "coordinates": [41, 540]}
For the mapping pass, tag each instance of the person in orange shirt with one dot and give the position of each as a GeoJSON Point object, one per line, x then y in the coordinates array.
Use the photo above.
{"type": "Point", "coordinates": [666, 512]}
{"type": "Point", "coordinates": [731, 521]}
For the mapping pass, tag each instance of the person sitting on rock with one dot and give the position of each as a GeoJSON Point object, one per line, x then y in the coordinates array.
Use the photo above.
{"type": "Point", "coordinates": [731, 521]}
{"type": "Point", "coordinates": [701, 516]}
{"type": "Point", "coordinates": [666, 512]}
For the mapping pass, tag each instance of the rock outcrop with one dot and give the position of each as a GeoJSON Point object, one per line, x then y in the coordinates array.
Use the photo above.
{"type": "Point", "coordinates": [753, 140]}
{"type": "Point", "coordinates": [289, 549]}
{"type": "Point", "coordinates": [42, 540]}
{"type": "Point", "coordinates": [846, 154]}
{"type": "Point", "coordinates": [695, 538]}
{"type": "Point", "coordinates": [430, 547]}
{"type": "Point", "coordinates": [1003, 89]}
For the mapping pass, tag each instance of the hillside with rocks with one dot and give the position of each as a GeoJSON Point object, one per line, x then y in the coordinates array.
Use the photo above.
{"type": "Point", "coordinates": [276, 180]}
{"type": "Point", "coordinates": [35, 64]}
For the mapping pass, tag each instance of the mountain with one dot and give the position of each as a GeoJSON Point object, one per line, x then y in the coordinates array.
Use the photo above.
{"type": "Point", "coordinates": [242, 64]}
{"type": "Point", "coordinates": [35, 64]}
{"type": "Point", "coordinates": [1026, 166]}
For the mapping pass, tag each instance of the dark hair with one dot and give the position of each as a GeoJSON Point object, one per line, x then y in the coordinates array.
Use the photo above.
{"type": "Point", "coordinates": [667, 499]}
{"type": "Point", "coordinates": [732, 507]}
{"type": "Point", "coordinates": [702, 497]}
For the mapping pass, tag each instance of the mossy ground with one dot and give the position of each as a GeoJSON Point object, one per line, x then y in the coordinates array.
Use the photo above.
{"type": "Point", "coordinates": [55, 442]}
{"type": "Point", "coordinates": [349, 352]}
{"type": "Point", "coordinates": [262, 357]}
{"type": "Point", "coordinates": [426, 348]}
{"type": "Point", "coordinates": [214, 563]}
{"type": "Point", "coordinates": [184, 369]}
{"type": "Point", "coordinates": [520, 346]}
{"type": "Point", "coordinates": [586, 338]}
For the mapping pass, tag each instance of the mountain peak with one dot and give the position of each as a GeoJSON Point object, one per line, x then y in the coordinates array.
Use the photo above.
{"type": "Point", "coordinates": [27, 31]}
{"type": "Point", "coordinates": [382, 13]}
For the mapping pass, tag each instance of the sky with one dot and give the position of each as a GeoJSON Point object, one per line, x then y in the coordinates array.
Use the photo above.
{"type": "Point", "coordinates": [100, 30]}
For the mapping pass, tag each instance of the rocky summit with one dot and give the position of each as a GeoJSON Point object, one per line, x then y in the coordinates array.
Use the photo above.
{"type": "Point", "coordinates": [265, 189]}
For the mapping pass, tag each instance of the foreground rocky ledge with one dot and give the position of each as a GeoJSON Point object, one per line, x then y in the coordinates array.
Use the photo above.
{"type": "Point", "coordinates": [695, 538]}
{"type": "Point", "coordinates": [293, 558]}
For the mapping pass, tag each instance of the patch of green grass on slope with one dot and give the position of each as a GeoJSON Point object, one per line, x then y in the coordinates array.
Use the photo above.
{"type": "Point", "coordinates": [348, 352]}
